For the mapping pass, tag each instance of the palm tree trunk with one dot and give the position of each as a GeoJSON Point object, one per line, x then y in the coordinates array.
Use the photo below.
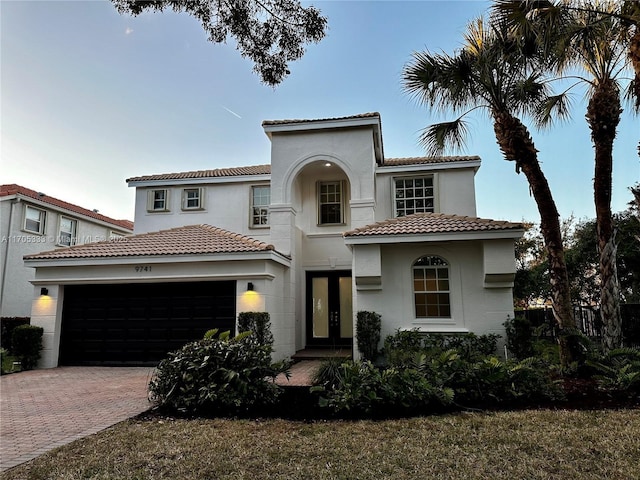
{"type": "Point", "coordinates": [634, 56]}
{"type": "Point", "coordinates": [603, 116]}
{"type": "Point", "coordinates": [517, 145]}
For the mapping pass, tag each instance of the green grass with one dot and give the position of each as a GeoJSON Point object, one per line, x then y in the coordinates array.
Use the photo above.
{"type": "Point", "coordinates": [533, 444]}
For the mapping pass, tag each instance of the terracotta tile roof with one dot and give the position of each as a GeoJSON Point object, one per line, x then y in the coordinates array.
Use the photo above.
{"type": "Point", "coordinates": [425, 223]}
{"type": "Point", "coordinates": [392, 162]}
{"type": "Point", "coordinates": [13, 189]}
{"type": "Point", "coordinates": [218, 172]}
{"type": "Point", "coordinates": [187, 240]}
{"type": "Point", "coordinates": [350, 117]}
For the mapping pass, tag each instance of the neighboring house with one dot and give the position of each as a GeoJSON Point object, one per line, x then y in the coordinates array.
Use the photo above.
{"type": "Point", "coordinates": [328, 228]}
{"type": "Point", "coordinates": [32, 222]}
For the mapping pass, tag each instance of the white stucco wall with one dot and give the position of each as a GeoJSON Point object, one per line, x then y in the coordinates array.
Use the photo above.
{"type": "Point", "coordinates": [16, 243]}
{"type": "Point", "coordinates": [226, 205]}
{"type": "Point", "coordinates": [474, 308]}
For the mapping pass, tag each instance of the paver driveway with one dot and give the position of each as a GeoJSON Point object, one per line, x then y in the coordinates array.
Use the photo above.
{"type": "Point", "coordinates": [43, 409]}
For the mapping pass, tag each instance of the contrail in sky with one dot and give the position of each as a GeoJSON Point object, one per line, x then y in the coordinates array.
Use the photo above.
{"type": "Point", "coordinates": [231, 112]}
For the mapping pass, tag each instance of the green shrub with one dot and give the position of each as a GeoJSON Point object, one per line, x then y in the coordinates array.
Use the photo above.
{"type": "Point", "coordinates": [26, 343]}
{"type": "Point", "coordinates": [257, 322]}
{"type": "Point", "coordinates": [618, 369]}
{"type": "Point", "coordinates": [401, 348]}
{"type": "Point", "coordinates": [519, 337]}
{"type": "Point", "coordinates": [7, 325]}
{"type": "Point", "coordinates": [360, 388]}
{"type": "Point", "coordinates": [218, 375]}
{"type": "Point", "coordinates": [368, 325]}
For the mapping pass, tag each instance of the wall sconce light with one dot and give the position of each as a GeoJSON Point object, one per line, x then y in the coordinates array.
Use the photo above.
{"type": "Point", "coordinates": [44, 291]}
{"type": "Point", "coordinates": [250, 287]}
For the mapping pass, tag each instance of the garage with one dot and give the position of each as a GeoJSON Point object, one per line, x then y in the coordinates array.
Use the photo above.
{"type": "Point", "coordinates": [137, 324]}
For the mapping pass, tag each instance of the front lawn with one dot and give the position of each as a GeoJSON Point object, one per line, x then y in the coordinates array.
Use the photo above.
{"type": "Point", "coordinates": [531, 444]}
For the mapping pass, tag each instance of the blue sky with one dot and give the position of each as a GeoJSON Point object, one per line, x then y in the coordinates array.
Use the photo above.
{"type": "Point", "coordinates": [91, 97]}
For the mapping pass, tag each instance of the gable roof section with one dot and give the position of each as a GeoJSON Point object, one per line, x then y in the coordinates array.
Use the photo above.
{"type": "Point", "coordinates": [188, 240]}
{"type": "Point", "coordinates": [432, 223]}
{"type": "Point", "coordinates": [215, 173]}
{"type": "Point", "coordinates": [332, 119]}
{"type": "Point", "coordinates": [14, 189]}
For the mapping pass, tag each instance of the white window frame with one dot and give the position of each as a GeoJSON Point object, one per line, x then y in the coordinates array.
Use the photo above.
{"type": "Point", "coordinates": [425, 200]}
{"type": "Point", "coordinates": [151, 200]}
{"type": "Point", "coordinates": [263, 208]}
{"type": "Point", "coordinates": [42, 214]}
{"type": "Point", "coordinates": [434, 283]}
{"type": "Point", "coordinates": [72, 235]}
{"type": "Point", "coordinates": [319, 193]}
{"type": "Point", "coordinates": [199, 198]}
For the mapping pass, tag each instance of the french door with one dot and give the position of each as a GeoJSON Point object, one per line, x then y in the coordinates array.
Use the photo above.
{"type": "Point", "coordinates": [329, 309]}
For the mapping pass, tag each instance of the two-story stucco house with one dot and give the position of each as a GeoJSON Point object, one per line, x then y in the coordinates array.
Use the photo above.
{"type": "Point", "coordinates": [328, 228]}
{"type": "Point", "coordinates": [32, 222]}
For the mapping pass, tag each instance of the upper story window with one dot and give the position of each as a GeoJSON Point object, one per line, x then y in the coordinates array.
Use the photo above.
{"type": "Point", "coordinates": [330, 203]}
{"type": "Point", "coordinates": [260, 201]}
{"type": "Point", "coordinates": [413, 195]}
{"type": "Point", "coordinates": [192, 199]}
{"type": "Point", "coordinates": [67, 233]}
{"type": "Point", "coordinates": [158, 200]}
{"type": "Point", "coordinates": [34, 220]}
{"type": "Point", "coordinates": [431, 287]}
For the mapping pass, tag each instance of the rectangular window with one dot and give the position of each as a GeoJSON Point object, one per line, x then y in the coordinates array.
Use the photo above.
{"type": "Point", "coordinates": [67, 232]}
{"type": "Point", "coordinates": [414, 195]}
{"type": "Point", "coordinates": [34, 220]}
{"type": "Point", "coordinates": [158, 201]}
{"type": "Point", "coordinates": [330, 203]}
{"type": "Point", "coordinates": [260, 201]}
{"type": "Point", "coordinates": [192, 199]}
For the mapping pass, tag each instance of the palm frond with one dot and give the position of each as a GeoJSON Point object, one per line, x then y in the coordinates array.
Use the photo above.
{"type": "Point", "coordinates": [443, 136]}
{"type": "Point", "coordinates": [552, 108]}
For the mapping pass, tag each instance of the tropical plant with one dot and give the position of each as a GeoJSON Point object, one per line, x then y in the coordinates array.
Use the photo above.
{"type": "Point", "coordinates": [217, 374]}
{"type": "Point", "coordinates": [618, 369]}
{"type": "Point", "coordinates": [592, 37]}
{"type": "Point", "coordinates": [492, 72]}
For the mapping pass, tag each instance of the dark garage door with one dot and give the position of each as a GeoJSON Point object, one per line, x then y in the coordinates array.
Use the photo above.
{"type": "Point", "coordinates": [137, 324]}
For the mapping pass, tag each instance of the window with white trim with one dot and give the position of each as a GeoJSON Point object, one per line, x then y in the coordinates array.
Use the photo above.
{"type": "Point", "coordinates": [34, 220]}
{"type": "Point", "coordinates": [330, 203]}
{"type": "Point", "coordinates": [192, 199]}
{"type": "Point", "coordinates": [158, 200]}
{"type": "Point", "coordinates": [260, 201]}
{"type": "Point", "coordinates": [67, 231]}
{"type": "Point", "coordinates": [431, 290]}
{"type": "Point", "coordinates": [414, 195]}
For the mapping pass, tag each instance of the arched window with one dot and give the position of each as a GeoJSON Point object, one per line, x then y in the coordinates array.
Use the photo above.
{"type": "Point", "coordinates": [431, 287]}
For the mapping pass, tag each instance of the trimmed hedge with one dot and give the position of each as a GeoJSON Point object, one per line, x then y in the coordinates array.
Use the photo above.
{"type": "Point", "coordinates": [26, 343]}
{"type": "Point", "coordinates": [7, 324]}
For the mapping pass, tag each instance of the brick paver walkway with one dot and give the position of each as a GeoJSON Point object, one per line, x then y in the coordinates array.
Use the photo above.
{"type": "Point", "coordinates": [300, 374]}
{"type": "Point", "coordinates": [44, 409]}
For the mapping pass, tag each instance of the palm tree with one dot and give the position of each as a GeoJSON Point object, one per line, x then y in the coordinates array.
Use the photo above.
{"type": "Point", "coordinates": [490, 73]}
{"type": "Point", "coordinates": [593, 37]}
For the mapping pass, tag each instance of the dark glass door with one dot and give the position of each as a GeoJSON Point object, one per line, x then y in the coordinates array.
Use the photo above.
{"type": "Point", "coordinates": [329, 309]}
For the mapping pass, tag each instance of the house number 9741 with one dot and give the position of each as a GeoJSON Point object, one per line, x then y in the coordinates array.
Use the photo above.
{"type": "Point", "coordinates": [142, 268]}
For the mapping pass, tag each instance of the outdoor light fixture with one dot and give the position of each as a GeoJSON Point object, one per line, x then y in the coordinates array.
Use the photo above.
{"type": "Point", "coordinates": [44, 291]}
{"type": "Point", "coordinates": [328, 164]}
{"type": "Point", "coordinates": [250, 287]}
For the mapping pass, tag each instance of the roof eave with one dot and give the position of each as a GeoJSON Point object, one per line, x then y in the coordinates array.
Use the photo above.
{"type": "Point", "coordinates": [264, 177]}
{"type": "Point", "coordinates": [157, 259]}
{"type": "Point", "coordinates": [475, 164]}
{"type": "Point", "coordinates": [433, 237]}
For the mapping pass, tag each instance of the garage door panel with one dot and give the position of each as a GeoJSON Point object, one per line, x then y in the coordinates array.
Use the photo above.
{"type": "Point", "coordinates": [137, 324]}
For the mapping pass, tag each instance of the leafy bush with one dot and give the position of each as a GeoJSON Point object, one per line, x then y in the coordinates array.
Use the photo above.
{"type": "Point", "coordinates": [519, 337]}
{"type": "Point", "coordinates": [618, 369]}
{"type": "Point", "coordinates": [7, 325]}
{"type": "Point", "coordinates": [359, 388]}
{"type": "Point", "coordinates": [401, 348]}
{"type": "Point", "coordinates": [26, 343]}
{"type": "Point", "coordinates": [368, 326]}
{"type": "Point", "coordinates": [217, 375]}
{"type": "Point", "coordinates": [258, 323]}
